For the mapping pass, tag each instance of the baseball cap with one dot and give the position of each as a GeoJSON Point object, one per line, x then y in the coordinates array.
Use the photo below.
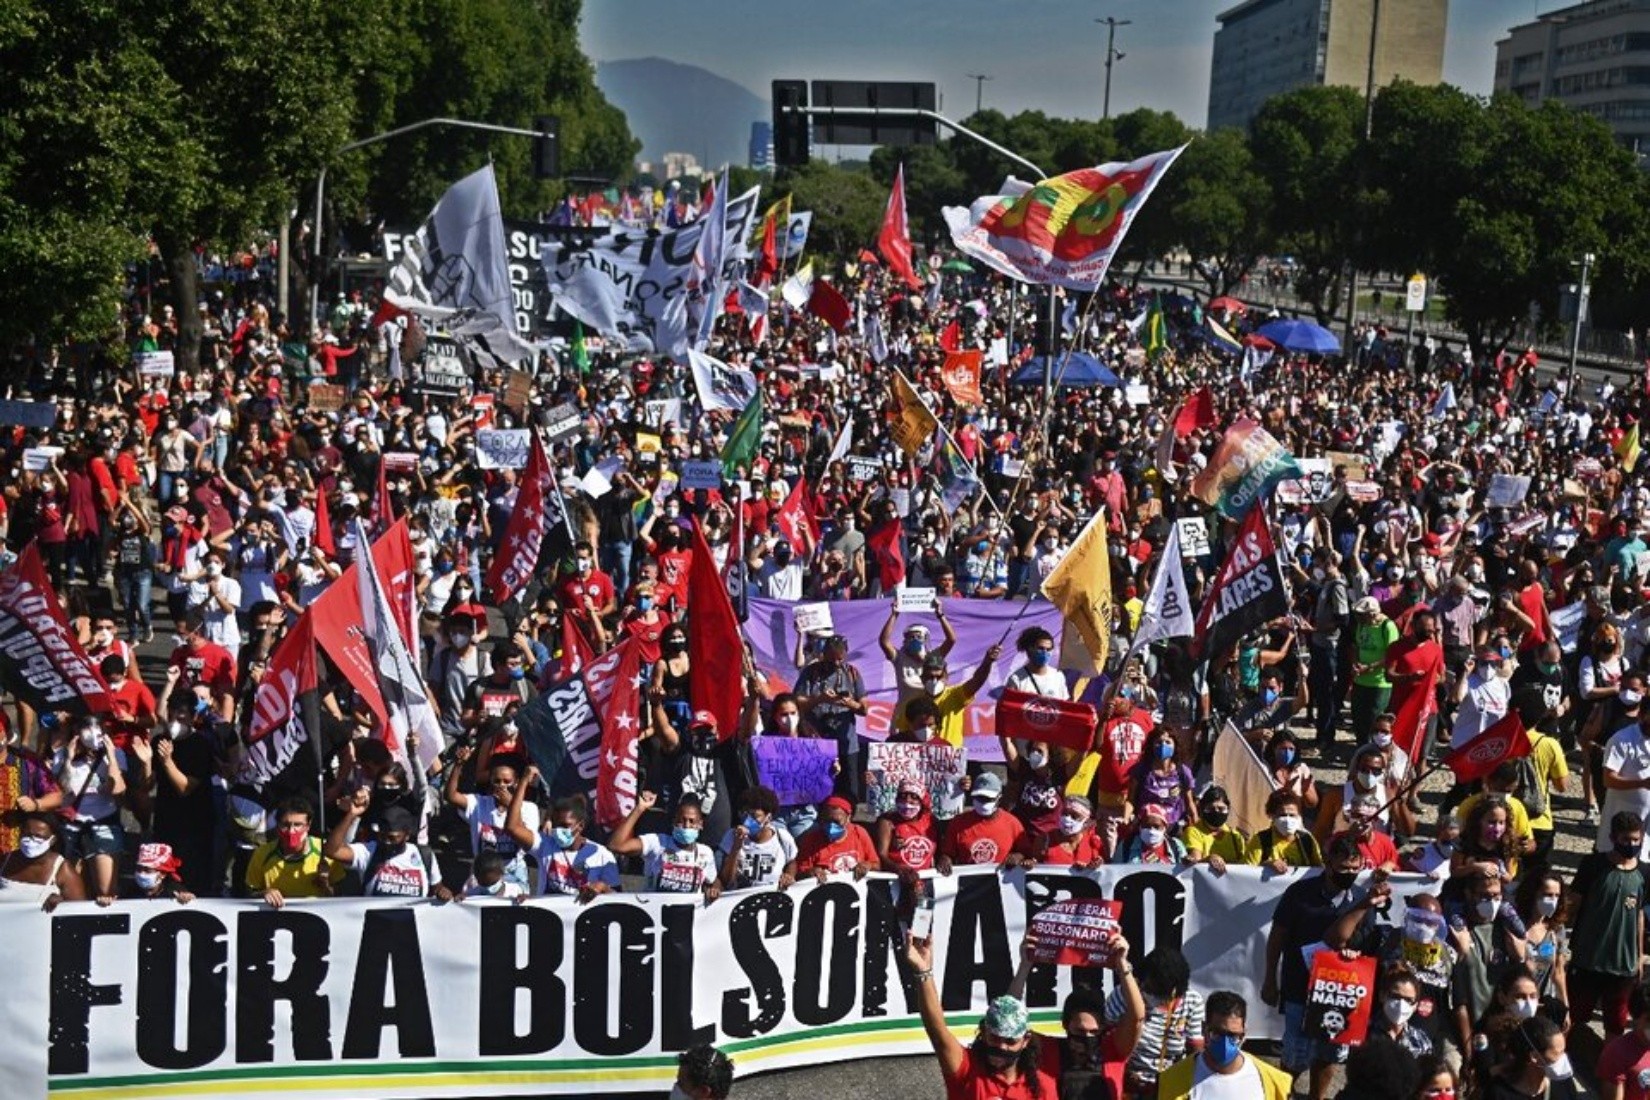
{"type": "Point", "coordinates": [1007, 1018]}
{"type": "Point", "coordinates": [703, 718]}
{"type": "Point", "coordinates": [987, 784]}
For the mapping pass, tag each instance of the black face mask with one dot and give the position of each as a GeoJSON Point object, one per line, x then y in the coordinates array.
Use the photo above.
{"type": "Point", "coordinates": [1083, 1051]}
{"type": "Point", "coordinates": [1627, 849]}
{"type": "Point", "coordinates": [1341, 881]}
{"type": "Point", "coordinates": [1216, 818]}
{"type": "Point", "coordinates": [390, 851]}
{"type": "Point", "coordinates": [996, 1059]}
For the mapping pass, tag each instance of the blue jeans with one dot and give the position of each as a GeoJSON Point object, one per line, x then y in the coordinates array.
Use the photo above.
{"type": "Point", "coordinates": [616, 564]}
{"type": "Point", "coordinates": [134, 598]}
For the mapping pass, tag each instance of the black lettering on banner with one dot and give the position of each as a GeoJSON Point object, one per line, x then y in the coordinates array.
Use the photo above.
{"type": "Point", "coordinates": [505, 977]}
{"type": "Point", "coordinates": [841, 901]}
{"type": "Point", "coordinates": [1167, 898]}
{"type": "Point", "coordinates": [1042, 891]}
{"type": "Point", "coordinates": [883, 937]}
{"type": "Point", "coordinates": [256, 989]}
{"type": "Point", "coordinates": [747, 929]}
{"type": "Point", "coordinates": [206, 1027]}
{"type": "Point", "coordinates": [978, 931]}
{"type": "Point", "coordinates": [676, 982]}
{"type": "Point", "coordinates": [592, 943]}
{"type": "Point", "coordinates": [389, 949]}
{"type": "Point", "coordinates": [73, 995]}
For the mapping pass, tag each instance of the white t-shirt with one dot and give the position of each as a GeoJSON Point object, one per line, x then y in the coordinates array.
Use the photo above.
{"type": "Point", "coordinates": [97, 803]}
{"type": "Point", "coordinates": [401, 876]}
{"type": "Point", "coordinates": [1050, 682]}
{"type": "Point", "coordinates": [1485, 703]}
{"type": "Point", "coordinates": [1245, 1084]}
{"type": "Point", "coordinates": [761, 862]}
{"type": "Point", "coordinates": [488, 834]}
{"type": "Point", "coordinates": [564, 872]}
{"type": "Point", "coordinates": [507, 890]}
{"type": "Point", "coordinates": [221, 627]}
{"type": "Point", "coordinates": [1628, 755]}
{"type": "Point", "coordinates": [672, 869]}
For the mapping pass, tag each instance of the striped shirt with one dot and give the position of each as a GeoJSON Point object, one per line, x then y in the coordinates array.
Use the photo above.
{"type": "Point", "coordinates": [1164, 1034]}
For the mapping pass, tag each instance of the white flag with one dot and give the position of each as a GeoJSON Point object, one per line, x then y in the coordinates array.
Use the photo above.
{"type": "Point", "coordinates": [721, 386]}
{"type": "Point", "coordinates": [706, 301]}
{"type": "Point", "coordinates": [795, 241]}
{"type": "Point", "coordinates": [799, 287]}
{"type": "Point", "coordinates": [844, 440]}
{"type": "Point", "coordinates": [875, 342]}
{"type": "Point", "coordinates": [1445, 402]}
{"type": "Point", "coordinates": [1168, 611]}
{"type": "Point", "coordinates": [406, 701]}
{"type": "Point", "coordinates": [455, 272]}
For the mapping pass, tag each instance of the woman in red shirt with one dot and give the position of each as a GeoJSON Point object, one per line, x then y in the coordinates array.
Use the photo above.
{"type": "Point", "coordinates": [835, 844]}
{"type": "Point", "coordinates": [908, 836]}
{"type": "Point", "coordinates": [1072, 843]}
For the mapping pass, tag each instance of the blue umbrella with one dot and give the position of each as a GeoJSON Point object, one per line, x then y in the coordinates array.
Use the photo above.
{"type": "Point", "coordinates": [1296, 335]}
{"type": "Point", "coordinates": [1079, 371]}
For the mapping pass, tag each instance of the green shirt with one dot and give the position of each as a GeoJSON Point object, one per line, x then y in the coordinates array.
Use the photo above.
{"type": "Point", "coordinates": [1372, 641]}
{"type": "Point", "coordinates": [1606, 931]}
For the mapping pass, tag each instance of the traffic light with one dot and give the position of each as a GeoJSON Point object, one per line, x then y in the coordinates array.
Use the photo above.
{"type": "Point", "coordinates": [790, 126]}
{"type": "Point", "coordinates": [547, 148]}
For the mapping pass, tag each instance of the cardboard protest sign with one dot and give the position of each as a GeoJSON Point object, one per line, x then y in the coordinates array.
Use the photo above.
{"type": "Point", "coordinates": [940, 768]}
{"type": "Point", "coordinates": [502, 448]}
{"type": "Point", "coordinates": [1588, 468]}
{"type": "Point", "coordinates": [155, 364]}
{"type": "Point", "coordinates": [1507, 490]}
{"type": "Point", "coordinates": [702, 474]}
{"type": "Point", "coordinates": [647, 448]}
{"type": "Point", "coordinates": [1313, 487]}
{"type": "Point", "coordinates": [1077, 933]}
{"type": "Point", "coordinates": [798, 769]}
{"type": "Point", "coordinates": [1339, 995]}
{"type": "Point", "coordinates": [326, 397]}
{"type": "Point", "coordinates": [518, 389]}
{"type": "Point", "coordinates": [812, 617]}
{"type": "Point", "coordinates": [914, 600]}
{"type": "Point", "coordinates": [1356, 466]}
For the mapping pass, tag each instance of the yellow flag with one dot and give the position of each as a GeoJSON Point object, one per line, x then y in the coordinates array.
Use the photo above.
{"type": "Point", "coordinates": [1080, 587]}
{"type": "Point", "coordinates": [780, 214]}
{"type": "Point", "coordinates": [915, 425]}
{"type": "Point", "coordinates": [1627, 449]}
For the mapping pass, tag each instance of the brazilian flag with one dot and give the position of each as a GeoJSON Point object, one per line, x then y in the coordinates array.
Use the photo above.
{"type": "Point", "coordinates": [581, 354]}
{"type": "Point", "coordinates": [1157, 333]}
{"type": "Point", "coordinates": [744, 440]}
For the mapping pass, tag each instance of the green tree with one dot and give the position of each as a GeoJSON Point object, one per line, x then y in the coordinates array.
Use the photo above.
{"type": "Point", "coordinates": [847, 206]}
{"type": "Point", "coordinates": [932, 182]}
{"type": "Point", "coordinates": [1214, 203]}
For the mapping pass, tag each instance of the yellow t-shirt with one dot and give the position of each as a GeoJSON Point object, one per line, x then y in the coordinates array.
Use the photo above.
{"type": "Point", "coordinates": [294, 878]}
{"type": "Point", "coordinates": [1227, 842]}
{"type": "Point", "coordinates": [952, 704]}
{"type": "Point", "coordinates": [1548, 759]}
{"type": "Point", "coordinates": [1300, 850]}
{"type": "Point", "coordinates": [1518, 818]}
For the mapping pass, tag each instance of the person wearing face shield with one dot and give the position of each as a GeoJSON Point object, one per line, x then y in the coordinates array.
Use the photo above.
{"type": "Point", "coordinates": [911, 657]}
{"type": "Point", "coordinates": [1421, 947]}
{"type": "Point", "coordinates": [1222, 1071]}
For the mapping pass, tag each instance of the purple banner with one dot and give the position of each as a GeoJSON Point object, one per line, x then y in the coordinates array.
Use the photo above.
{"type": "Point", "coordinates": [980, 624]}
{"type": "Point", "coordinates": [797, 768]}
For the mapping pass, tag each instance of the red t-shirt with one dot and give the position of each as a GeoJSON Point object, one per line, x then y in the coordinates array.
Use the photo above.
{"type": "Point", "coordinates": [971, 838]}
{"type": "Point", "coordinates": [1407, 656]}
{"type": "Point", "coordinates": [1377, 848]}
{"type": "Point", "coordinates": [817, 850]}
{"type": "Point", "coordinates": [914, 842]}
{"type": "Point", "coordinates": [1531, 601]}
{"type": "Point", "coordinates": [1111, 1066]}
{"type": "Point", "coordinates": [597, 585]}
{"type": "Point", "coordinates": [1121, 741]}
{"type": "Point", "coordinates": [647, 634]}
{"type": "Point", "coordinates": [133, 710]}
{"type": "Point", "coordinates": [1088, 849]}
{"type": "Point", "coordinates": [976, 1082]}
{"type": "Point", "coordinates": [210, 665]}
{"type": "Point", "coordinates": [673, 576]}
{"type": "Point", "coordinates": [1626, 1062]}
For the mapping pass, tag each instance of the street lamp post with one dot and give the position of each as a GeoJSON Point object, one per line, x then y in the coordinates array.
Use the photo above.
{"type": "Point", "coordinates": [979, 80]}
{"type": "Point", "coordinates": [1111, 56]}
{"type": "Point", "coordinates": [1587, 259]}
{"type": "Point", "coordinates": [1363, 164]}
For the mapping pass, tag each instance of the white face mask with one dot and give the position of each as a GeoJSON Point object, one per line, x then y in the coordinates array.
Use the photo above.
{"type": "Point", "coordinates": [214, 570]}
{"type": "Point", "coordinates": [1487, 908]}
{"type": "Point", "coordinates": [1286, 824]}
{"type": "Point", "coordinates": [1398, 1010]}
{"type": "Point", "coordinates": [1036, 759]}
{"type": "Point", "coordinates": [1546, 906]}
{"type": "Point", "coordinates": [1524, 1008]}
{"type": "Point", "coordinates": [985, 807]}
{"type": "Point", "coordinates": [460, 641]}
{"type": "Point", "coordinates": [146, 880]}
{"type": "Point", "coordinates": [1151, 838]}
{"type": "Point", "coordinates": [1382, 739]}
{"type": "Point", "coordinates": [1071, 825]}
{"type": "Point", "coordinates": [33, 847]}
{"type": "Point", "coordinates": [789, 722]}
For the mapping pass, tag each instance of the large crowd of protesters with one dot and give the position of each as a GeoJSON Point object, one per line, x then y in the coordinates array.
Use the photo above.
{"type": "Point", "coordinates": [187, 505]}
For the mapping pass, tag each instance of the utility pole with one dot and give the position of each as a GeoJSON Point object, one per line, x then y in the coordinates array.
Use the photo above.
{"type": "Point", "coordinates": [1111, 55]}
{"type": "Point", "coordinates": [1363, 165]}
{"type": "Point", "coordinates": [1587, 259]}
{"type": "Point", "coordinates": [979, 80]}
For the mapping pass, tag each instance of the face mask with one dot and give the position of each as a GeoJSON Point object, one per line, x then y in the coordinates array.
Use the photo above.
{"type": "Point", "coordinates": [914, 647]}
{"type": "Point", "coordinates": [644, 603]}
{"type": "Point", "coordinates": [586, 565]}
{"type": "Point", "coordinates": [1546, 906]}
{"type": "Point", "coordinates": [985, 807]}
{"type": "Point", "coordinates": [752, 826]}
{"type": "Point", "coordinates": [460, 641]}
{"type": "Point", "coordinates": [996, 1058]}
{"type": "Point", "coordinates": [391, 849]}
{"type": "Point", "coordinates": [1036, 759]}
{"type": "Point", "coordinates": [146, 880]}
{"type": "Point", "coordinates": [1038, 658]}
{"type": "Point", "coordinates": [1382, 739]}
{"type": "Point", "coordinates": [1165, 750]}
{"type": "Point", "coordinates": [1627, 849]}
{"type": "Point", "coordinates": [214, 570]}
{"type": "Point", "coordinates": [1318, 574]}
{"type": "Point", "coordinates": [497, 888]}
{"type": "Point", "coordinates": [33, 847]}
{"type": "Point", "coordinates": [1367, 780]}
{"type": "Point", "coordinates": [1525, 1007]}
{"type": "Point", "coordinates": [934, 687]}
{"type": "Point", "coordinates": [1420, 931]}
{"type": "Point", "coordinates": [686, 835]}
{"type": "Point", "coordinates": [1152, 837]}
{"type": "Point", "coordinates": [1224, 1049]}
{"type": "Point", "coordinates": [1071, 825]}
{"type": "Point", "coordinates": [1286, 824]}
{"type": "Point", "coordinates": [91, 740]}
{"type": "Point", "coordinates": [563, 836]}
{"type": "Point", "coordinates": [1341, 881]}
{"type": "Point", "coordinates": [1083, 1051]}
{"type": "Point", "coordinates": [1630, 699]}
{"type": "Point", "coordinates": [1560, 1070]}
{"type": "Point", "coordinates": [1269, 696]}
{"type": "Point", "coordinates": [1286, 757]}
{"type": "Point", "coordinates": [1446, 848]}
{"type": "Point", "coordinates": [1487, 908]}
{"type": "Point", "coordinates": [834, 831]}
{"type": "Point", "coordinates": [675, 646]}
{"type": "Point", "coordinates": [1398, 1011]}
{"type": "Point", "coordinates": [788, 723]}
{"type": "Point", "coordinates": [1217, 818]}
{"type": "Point", "coordinates": [294, 840]}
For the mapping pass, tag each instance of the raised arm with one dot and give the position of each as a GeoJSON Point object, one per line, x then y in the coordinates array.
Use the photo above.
{"type": "Point", "coordinates": [624, 841]}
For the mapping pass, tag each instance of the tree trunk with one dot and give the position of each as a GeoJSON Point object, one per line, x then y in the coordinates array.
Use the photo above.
{"type": "Point", "coordinates": [184, 283]}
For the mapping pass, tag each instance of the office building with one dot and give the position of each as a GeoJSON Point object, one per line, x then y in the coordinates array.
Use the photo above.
{"type": "Point", "coordinates": [1265, 47]}
{"type": "Point", "coordinates": [1592, 57]}
{"type": "Point", "coordinates": [761, 151]}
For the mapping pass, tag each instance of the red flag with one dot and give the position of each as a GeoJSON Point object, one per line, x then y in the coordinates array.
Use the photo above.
{"type": "Point", "coordinates": [951, 337]}
{"type": "Point", "coordinates": [767, 262]}
{"type": "Point", "coordinates": [796, 521]}
{"type": "Point", "coordinates": [383, 508]}
{"type": "Point", "coordinates": [323, 525]}
{"type": "Point", "coordinates": [41, 660]}
{"type": "Point", "coordinates": [393, 555]}
{"type": "Point", "coordinates": [1198, 411]}
{"type": "Point", "coordinates": [884, 544]}
{"type": "Point", "coordinates": [386, 311]}
{"type": "Point", "coordinates": [1506, 740]}
{"type": "Point", "coordinates": [1041, 718]}
{"type": "Point", "coordinates": [341, 634]}
{"type": "Point", "coordinates": [894, 239]}
{"type": "Point", "coordinates": [866, 256]}
{"type": "Point", "coordinates": [961, 375]}
{"type": "Point", "coordinates": [518, 554]}
{"type": "Point", "coordinates": [1409, 721]}
{"type": "Point", "coordinates": [576, 654]}
{"type": "Point", "coordinates": [716, 651]}
{"type": "Point", "coordinates": [278, 729]}
{"type": "Point", "coordinates": [621, 724]}
{"type": "Point", "coordinates": [828, 304]}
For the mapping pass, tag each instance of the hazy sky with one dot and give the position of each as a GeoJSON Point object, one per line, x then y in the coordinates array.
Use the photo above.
{"type": "Point", "coordinates": [1043, 54]}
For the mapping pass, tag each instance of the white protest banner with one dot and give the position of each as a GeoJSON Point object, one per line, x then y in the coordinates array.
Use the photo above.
{"type": "Point", "coordinates": [154, 364]}
{"type": "Point", "coordinates": [811, 618]}
{"type": "Point", "coordinates": [665, 411]}
{"type": "Point", "coordinates": [385, 998]}
{"type": "Point", "coordinates": [1507, 490]}
{"type": "Point", "coordinates": [902, 501]}
{"type": "Point", "coordinates": [702, 474]}
{"type": "Point", "coordinates": [1013, 467]}
{"type": "Point", "coordinates": [1363, 491]}
{"type": "Point", "coordinates": [1588, 468]}
{"type": "Point", "coordinates": [914, 600]}
{"type": "Point", "coordinates": [502, 448]}
{"type": "Point", "coordinates": [1567, 622]}
{"type": "Point", "coordinates": [400, 461]}
{"type": "Point", "coordinates": [940, 768]}
{"type": "Point", "coordinates": [720, 386]}
{"type": "Point", "coordinates": [37, 459]}
{"type": "Point", "coordinates": [1194, 536]}
{"type": "Point", "coordinates": [561, 422]}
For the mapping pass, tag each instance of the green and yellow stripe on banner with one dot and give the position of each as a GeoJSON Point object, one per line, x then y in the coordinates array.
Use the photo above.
{"type": "Point", "coordinates": [443, 1076]}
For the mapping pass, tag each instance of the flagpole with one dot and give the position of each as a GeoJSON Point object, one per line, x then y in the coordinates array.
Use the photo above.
{"type": "Point", "coordinates": [949, 438]}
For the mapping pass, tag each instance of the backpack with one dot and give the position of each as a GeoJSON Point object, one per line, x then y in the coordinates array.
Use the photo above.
{"type": "Point", "coordinates": [1532, 792]}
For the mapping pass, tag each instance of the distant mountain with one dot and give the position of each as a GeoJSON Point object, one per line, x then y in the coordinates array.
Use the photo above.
{"type": "Point", "coordinates": [674, 108]}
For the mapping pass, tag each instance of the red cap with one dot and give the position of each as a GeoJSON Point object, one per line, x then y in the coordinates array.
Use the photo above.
{"type": "Point", "coordinates": [704, 718]}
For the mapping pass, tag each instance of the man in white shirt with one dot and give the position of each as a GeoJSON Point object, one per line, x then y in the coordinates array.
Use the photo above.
{"type": "Point", "coordinates": [1626, 779]}
{"type": "Point", "coordinates": [219, 598]}
{"type": "Point", "coordinates": [1040, 675]}
{"type": "Point", "coordinates": [1221, 1071]}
